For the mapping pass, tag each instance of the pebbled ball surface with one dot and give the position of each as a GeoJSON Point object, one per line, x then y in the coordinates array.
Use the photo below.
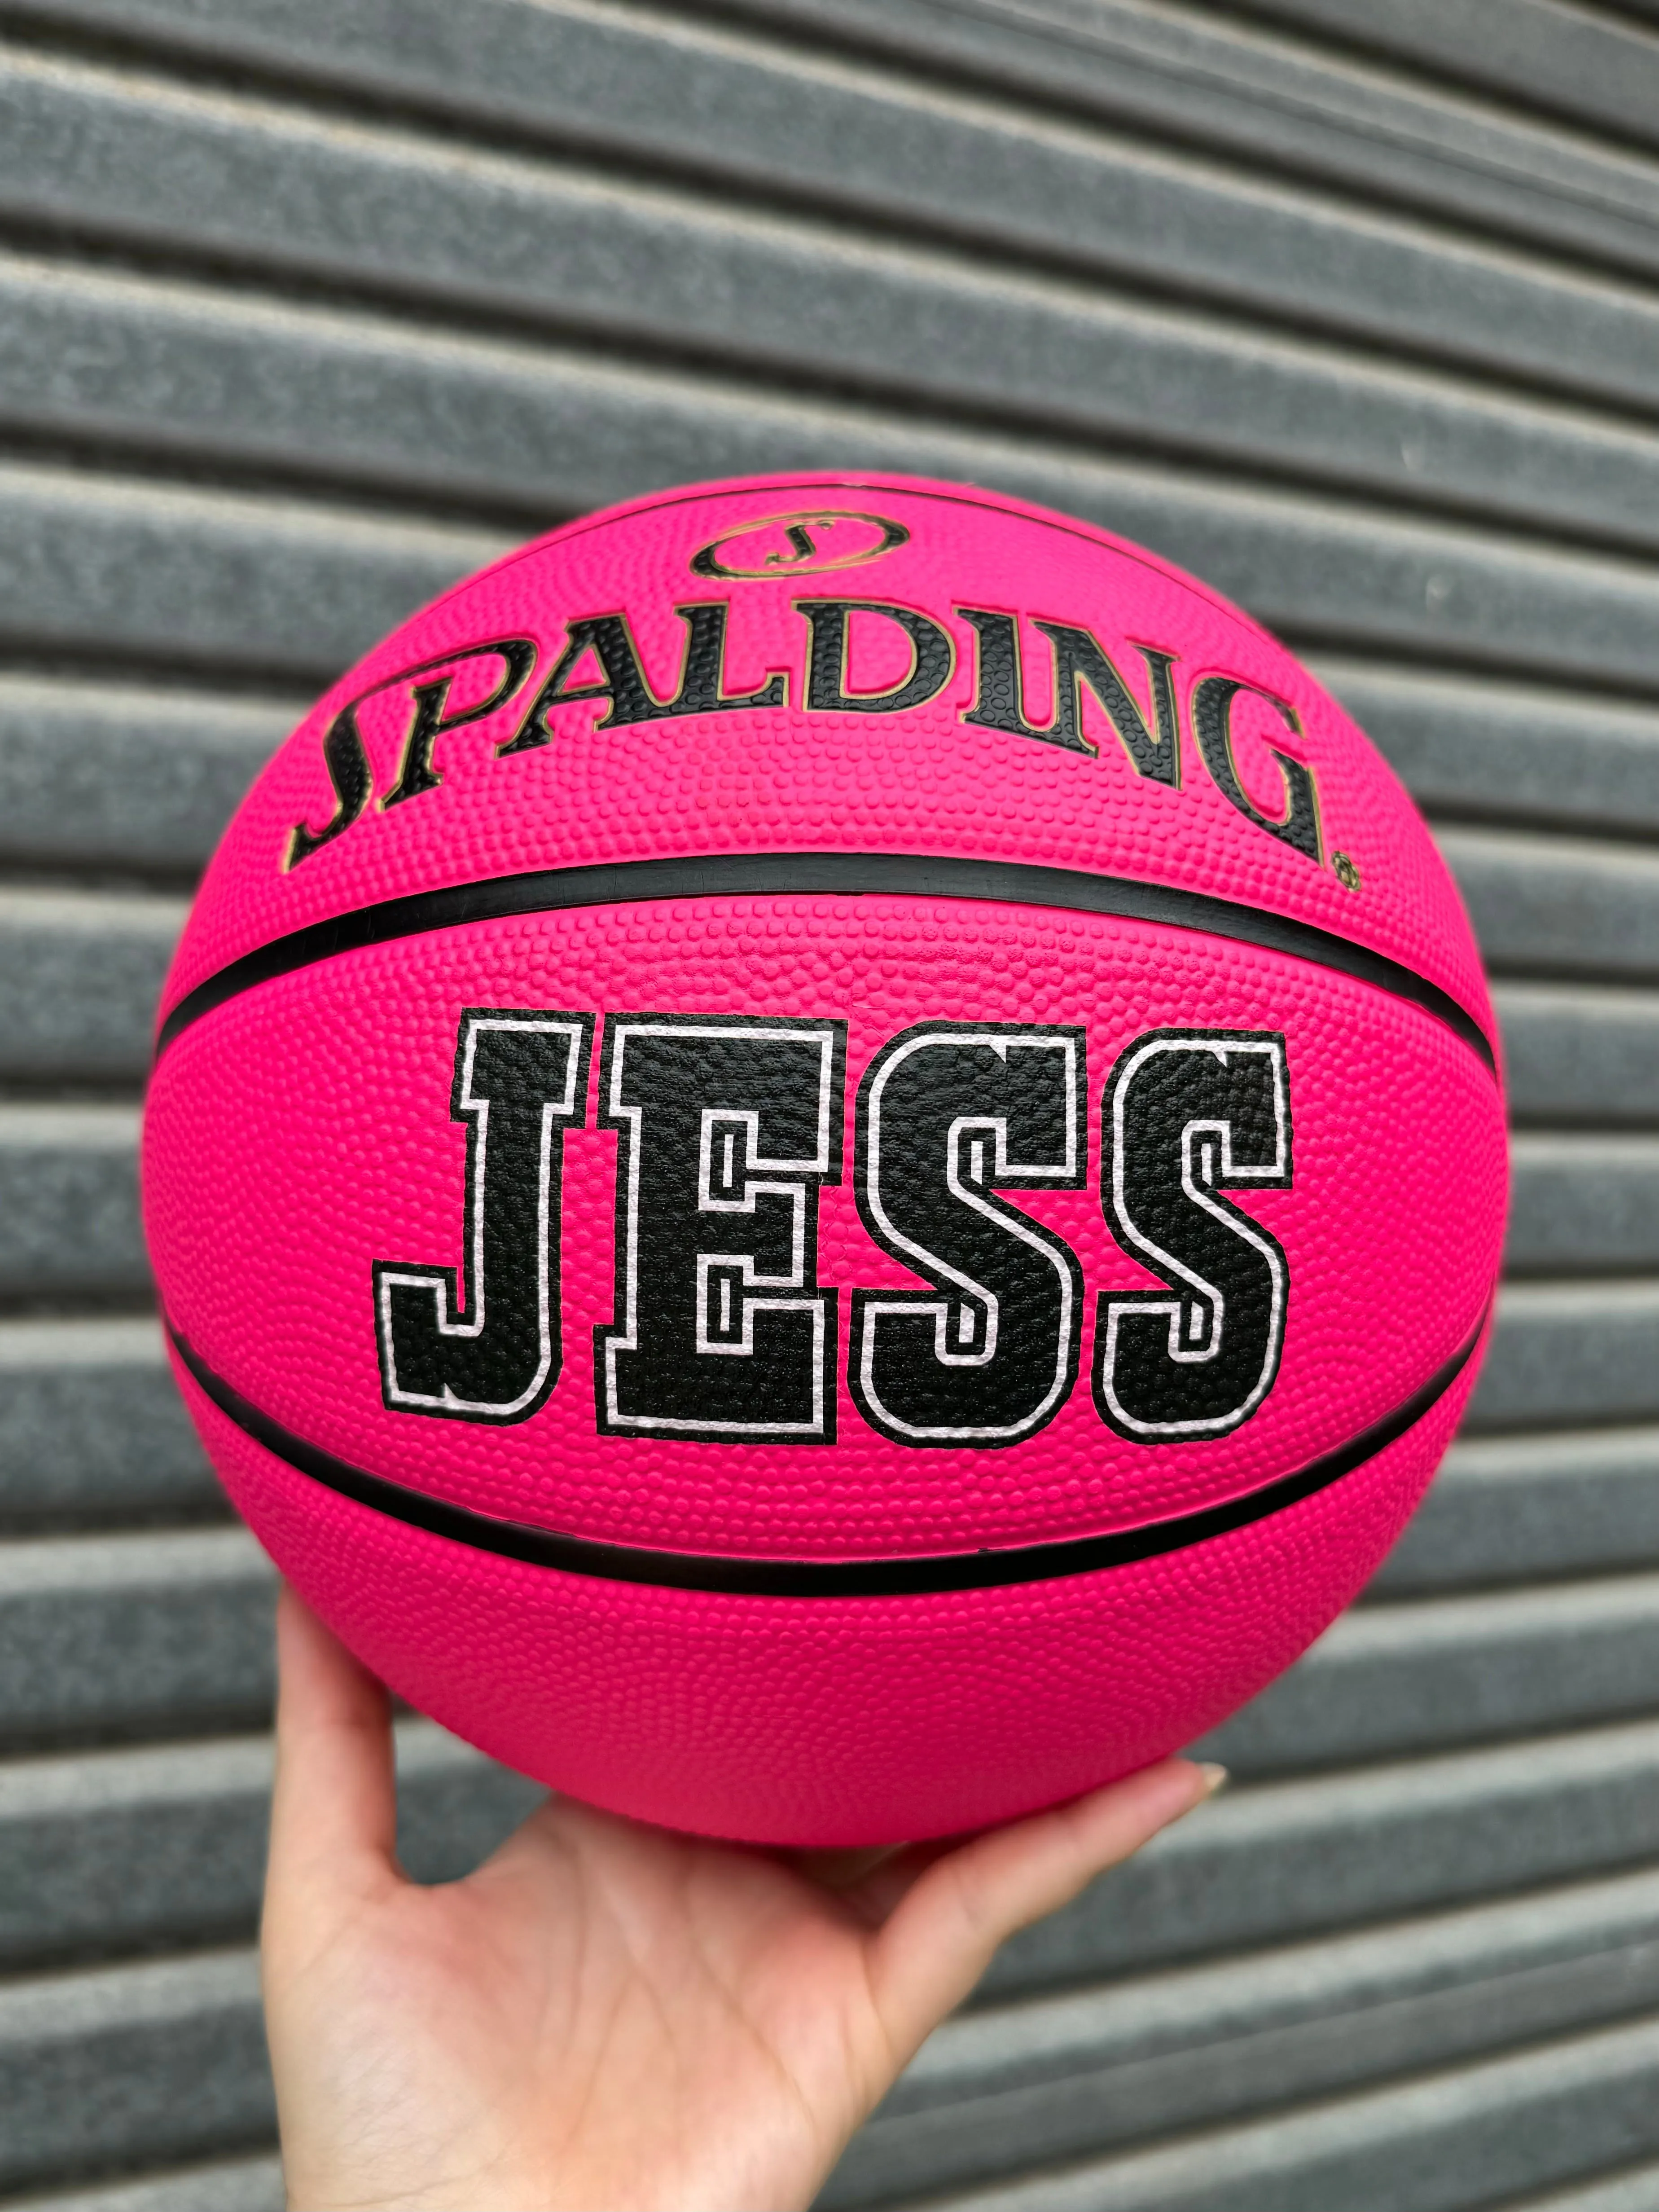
{"type": "Point", "coordinates": [301, 1132]}
{"type": "Point", "coordinates": [266, 1245]}
{"type": "Point", "coordinates": [827, 1722]}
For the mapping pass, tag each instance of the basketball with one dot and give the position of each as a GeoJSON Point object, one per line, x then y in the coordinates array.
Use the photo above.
{"type": "Point", "coordinates": [826, 1159]}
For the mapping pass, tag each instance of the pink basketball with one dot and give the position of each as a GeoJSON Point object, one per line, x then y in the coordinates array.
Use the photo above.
{"type": "Point", "coordinates": [826, 1159]}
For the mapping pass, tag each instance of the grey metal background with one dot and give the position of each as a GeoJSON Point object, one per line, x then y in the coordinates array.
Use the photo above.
{"type": "Point", "coordinates": [307, 307]}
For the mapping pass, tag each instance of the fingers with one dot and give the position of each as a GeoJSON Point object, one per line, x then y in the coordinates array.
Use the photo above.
{"type": "Point", "coordinates": [335, 1806]}
{"type": "Point", "coordinates": [943, 1931]}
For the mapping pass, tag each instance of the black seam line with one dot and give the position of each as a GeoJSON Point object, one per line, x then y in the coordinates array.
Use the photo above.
{"type": "Point", "coordinates": [724, 875]}
{"type": "Point", "coordinates": [817, 1578]}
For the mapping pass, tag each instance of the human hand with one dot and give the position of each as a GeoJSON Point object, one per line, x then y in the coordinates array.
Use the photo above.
{"type": "Point", "coordinates": [606, 2015]}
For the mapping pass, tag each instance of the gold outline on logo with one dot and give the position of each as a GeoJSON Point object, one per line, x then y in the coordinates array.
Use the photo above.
{"type": "Point", "coordinates": [705, 563]}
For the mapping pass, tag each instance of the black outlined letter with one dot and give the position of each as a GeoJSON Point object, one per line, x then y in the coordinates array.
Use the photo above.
{"type": "Point", "coordinates": [932, 658]}
{"type": "Point", "coordinates": [1212, 726]}
{"type": "Point", "coordinates": [629, 696]}
{"type": "Point", "coordinates": [728, 1127]}
{"type": "Point", "coordinates": [949, 1113]}
{"type": "Point", "coordinates": [520, 1080]}
{"type": "Point", "coordinates": [346, 755]}
{"type": "Point", "coordinates": [431, 716]}
{"type": "Point", "coordinates": [1080, 661]}
{"type": "Point", "coordinates": [1186, 1114]}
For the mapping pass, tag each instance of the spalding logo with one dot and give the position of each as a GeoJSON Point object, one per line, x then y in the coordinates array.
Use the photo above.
{"type": "Point", "coordinates": [601, 662]}
{"type": "Point", "coordinates": [801, 545]}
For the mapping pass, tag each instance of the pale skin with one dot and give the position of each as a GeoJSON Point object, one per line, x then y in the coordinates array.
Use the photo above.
{"type": "Point", "coordinates": [605, 2016]}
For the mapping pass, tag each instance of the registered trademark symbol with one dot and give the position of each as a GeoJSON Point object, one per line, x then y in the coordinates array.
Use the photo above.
{"type": "Point", "coordinates": [1345, 871]}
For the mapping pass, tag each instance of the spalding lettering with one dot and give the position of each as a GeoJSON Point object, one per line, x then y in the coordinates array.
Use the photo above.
{"type": "Point", "coordinates": [1083, 676]}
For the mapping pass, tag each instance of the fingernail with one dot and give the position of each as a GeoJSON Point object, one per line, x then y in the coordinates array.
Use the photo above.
{"type": "Point", "coordinates": [1216, 1778]}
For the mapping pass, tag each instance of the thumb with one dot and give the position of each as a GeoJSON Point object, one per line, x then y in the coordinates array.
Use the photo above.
{"type": "Point", "coordinates": [334, 1807]}
{"type": "Point", "coordinates": [941, 1935]}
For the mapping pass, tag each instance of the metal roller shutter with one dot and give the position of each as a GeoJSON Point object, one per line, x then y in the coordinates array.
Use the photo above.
{"type": "Point", "coordinates": [305, 309]}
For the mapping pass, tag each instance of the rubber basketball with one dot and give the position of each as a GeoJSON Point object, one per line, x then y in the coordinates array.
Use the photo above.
{"type": "Point", "coordinates": [826, 1159]}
